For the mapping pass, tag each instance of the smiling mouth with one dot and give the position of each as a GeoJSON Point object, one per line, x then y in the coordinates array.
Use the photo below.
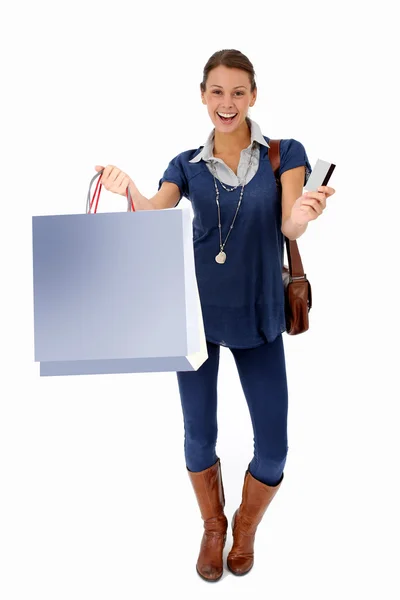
{"type": "Point", "coordinates": [227, 120]}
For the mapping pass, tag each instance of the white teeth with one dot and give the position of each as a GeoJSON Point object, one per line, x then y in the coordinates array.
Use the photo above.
{"type": "Point", "coordinates": [227, 115]}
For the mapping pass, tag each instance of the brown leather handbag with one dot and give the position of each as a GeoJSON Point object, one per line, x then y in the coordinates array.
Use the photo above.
{"type": "Point", "coordinates": [297, 288]}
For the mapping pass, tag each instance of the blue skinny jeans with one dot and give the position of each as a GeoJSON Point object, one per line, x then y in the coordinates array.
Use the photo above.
{"type": "Point", "coordinates": [262, 373]}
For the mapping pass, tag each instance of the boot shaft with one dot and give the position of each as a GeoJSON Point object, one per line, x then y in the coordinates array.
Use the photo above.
{"type": "Point", "coordinates": [256, 497]}
{"type": "Point", "coordinates": [209, 491]}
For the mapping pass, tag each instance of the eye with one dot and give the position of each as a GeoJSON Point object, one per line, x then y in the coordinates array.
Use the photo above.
{"type": "Point", "coordinates": [218, 91]}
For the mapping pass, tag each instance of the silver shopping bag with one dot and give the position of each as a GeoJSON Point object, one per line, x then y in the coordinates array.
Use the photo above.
{"type": "Point", "coordinates": [116, 293]}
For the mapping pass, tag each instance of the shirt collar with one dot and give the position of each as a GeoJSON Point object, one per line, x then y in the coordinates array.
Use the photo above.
{"type": "Point", "coordinates": [207, 149]}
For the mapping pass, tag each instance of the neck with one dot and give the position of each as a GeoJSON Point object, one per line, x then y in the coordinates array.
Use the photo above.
{"type": "Point", "coordinates": [231, 143]}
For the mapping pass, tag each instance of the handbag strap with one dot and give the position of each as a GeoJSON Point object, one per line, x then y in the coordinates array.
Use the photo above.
{"type": "Point", "coordinates": [292, 250]}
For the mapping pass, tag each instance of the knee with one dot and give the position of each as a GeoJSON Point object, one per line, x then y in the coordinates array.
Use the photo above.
{"type": "Point", "coordinates": [200, 450]}
{"type": "Point", "coordinates": [199, 442]}
{"type": "Point", "coordinates": [269, 468]}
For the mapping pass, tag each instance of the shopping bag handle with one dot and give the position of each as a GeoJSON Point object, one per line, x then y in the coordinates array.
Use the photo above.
{"type": "Point", "coordinates": [89, 203]}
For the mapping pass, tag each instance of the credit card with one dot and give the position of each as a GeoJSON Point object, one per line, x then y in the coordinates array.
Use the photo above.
{"type": "Point", "coordinates": [320, 175]}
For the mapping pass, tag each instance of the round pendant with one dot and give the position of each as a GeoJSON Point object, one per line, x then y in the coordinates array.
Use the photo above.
{"type": "Point", "coordinates": [221, 258]}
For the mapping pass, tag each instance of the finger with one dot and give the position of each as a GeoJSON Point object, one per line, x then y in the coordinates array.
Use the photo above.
{"type": "Point", "coordinates": [309, 210]}
{"type": "Point", "coordinates": [317, 195]}
{"type": "Point", "coordinates": [322, 201]}
{"type": "Point", "coordinates": [124, 184]}
{"type": "Point", "coordinates": [114, 175]}
{"type": "Point", "coordinates": [314, 204]}
{"type": "Point", "coordinates": [328, 190]}
{"type": "Point", "coordinates": [104, 178]}
{"type": "Point", "coordinates": [119, 179]}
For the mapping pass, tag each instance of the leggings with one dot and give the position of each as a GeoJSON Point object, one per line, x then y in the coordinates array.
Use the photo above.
{"type": "Point", "coordinates": [262, 373]}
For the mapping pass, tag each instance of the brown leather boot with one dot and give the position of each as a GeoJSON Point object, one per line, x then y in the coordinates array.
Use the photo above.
{"type": "Point", "coordinates": [209, 492]}
{"type": "Point", "coordinates": [256, 496]}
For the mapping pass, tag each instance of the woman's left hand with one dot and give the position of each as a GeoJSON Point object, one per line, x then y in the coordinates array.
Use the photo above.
{"type": "Point", "coordinates": [310, 205]}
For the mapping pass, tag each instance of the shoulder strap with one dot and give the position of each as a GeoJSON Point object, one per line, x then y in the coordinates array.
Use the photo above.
{"type": "Point", "coordinates": [274, 156]}
{"type": "Point", "coordinates": [292, 250]}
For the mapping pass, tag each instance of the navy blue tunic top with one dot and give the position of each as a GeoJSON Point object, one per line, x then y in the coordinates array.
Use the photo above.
{"type": "Point", "coordinates": [243, 299]}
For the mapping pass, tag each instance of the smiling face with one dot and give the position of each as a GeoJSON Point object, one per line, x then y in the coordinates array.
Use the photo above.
{"type": "Point", "coordinates": [228, 93]}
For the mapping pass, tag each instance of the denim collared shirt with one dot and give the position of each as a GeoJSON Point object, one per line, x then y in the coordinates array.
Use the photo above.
{"type": "Point", "coordinates": [242, 300]}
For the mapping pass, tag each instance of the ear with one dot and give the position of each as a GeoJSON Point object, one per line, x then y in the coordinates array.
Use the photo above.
{"type": "Point", "coordinates": [202, 96]}
{"type": "Point", "coordinates": [254, 97]}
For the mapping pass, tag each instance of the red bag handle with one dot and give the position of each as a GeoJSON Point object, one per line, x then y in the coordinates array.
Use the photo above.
{"type": "Point", "coordinates": [89, 203]}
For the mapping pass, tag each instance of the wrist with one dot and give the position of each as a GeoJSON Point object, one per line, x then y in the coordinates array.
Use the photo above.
{"type": "Point", "coordinates": [139, 201]}
{"type": "Point", "coordinates": [132, 188]}
{"type": "Point", "coordinates": [296, 224]}
{"type": "Point", "coordinates": [292, 229]}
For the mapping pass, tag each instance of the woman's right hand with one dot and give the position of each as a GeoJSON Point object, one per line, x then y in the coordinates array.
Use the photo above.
{"type": "Point", "coordinates": [113, 179]}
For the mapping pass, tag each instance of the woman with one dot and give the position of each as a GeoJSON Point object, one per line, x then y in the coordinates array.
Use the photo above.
{"type": "Point", "coordinates": [240, 220]}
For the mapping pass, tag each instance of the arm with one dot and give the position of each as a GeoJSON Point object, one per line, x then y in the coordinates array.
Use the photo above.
{"type": "Point", "coordinates": [167, 197]}
{"type": "Point", "coordinates": [292, 182]}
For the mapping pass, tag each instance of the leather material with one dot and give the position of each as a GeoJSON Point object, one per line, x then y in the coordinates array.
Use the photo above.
{"type": "Point", "coordinates": [297, 288]}
{"type": "Point", "coordinates": [209, 491]}
{"type": "Point", "coordinates": [298, 302]}
{"type": "Point", "coordinates": [256, 497]}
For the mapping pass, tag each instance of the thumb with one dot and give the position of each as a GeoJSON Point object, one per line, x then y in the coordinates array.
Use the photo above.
{"type": "Point", "coordinates": [98, 168]}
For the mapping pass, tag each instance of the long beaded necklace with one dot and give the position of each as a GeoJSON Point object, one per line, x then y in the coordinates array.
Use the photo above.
{"type": "Point", "coordinates": [221, 256]}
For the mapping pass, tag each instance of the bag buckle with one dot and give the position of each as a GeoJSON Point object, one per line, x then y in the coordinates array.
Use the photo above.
{"type": "Point", "coordinates": [299, 277]}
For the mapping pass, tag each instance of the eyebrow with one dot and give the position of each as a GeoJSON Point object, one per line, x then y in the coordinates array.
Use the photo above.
{"type": "Point", "coordinates": [235, 88]}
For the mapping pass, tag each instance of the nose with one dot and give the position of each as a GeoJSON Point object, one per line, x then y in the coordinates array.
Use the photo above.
{"type": "Point", "coordinates": [226, 107]}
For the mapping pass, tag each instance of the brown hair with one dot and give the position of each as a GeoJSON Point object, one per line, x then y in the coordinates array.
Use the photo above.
{"type": "Point", "coordinates": [229, 58]}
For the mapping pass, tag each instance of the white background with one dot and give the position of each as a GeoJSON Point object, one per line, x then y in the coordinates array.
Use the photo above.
{"type": "Point", "coordinates": [95, 500]}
